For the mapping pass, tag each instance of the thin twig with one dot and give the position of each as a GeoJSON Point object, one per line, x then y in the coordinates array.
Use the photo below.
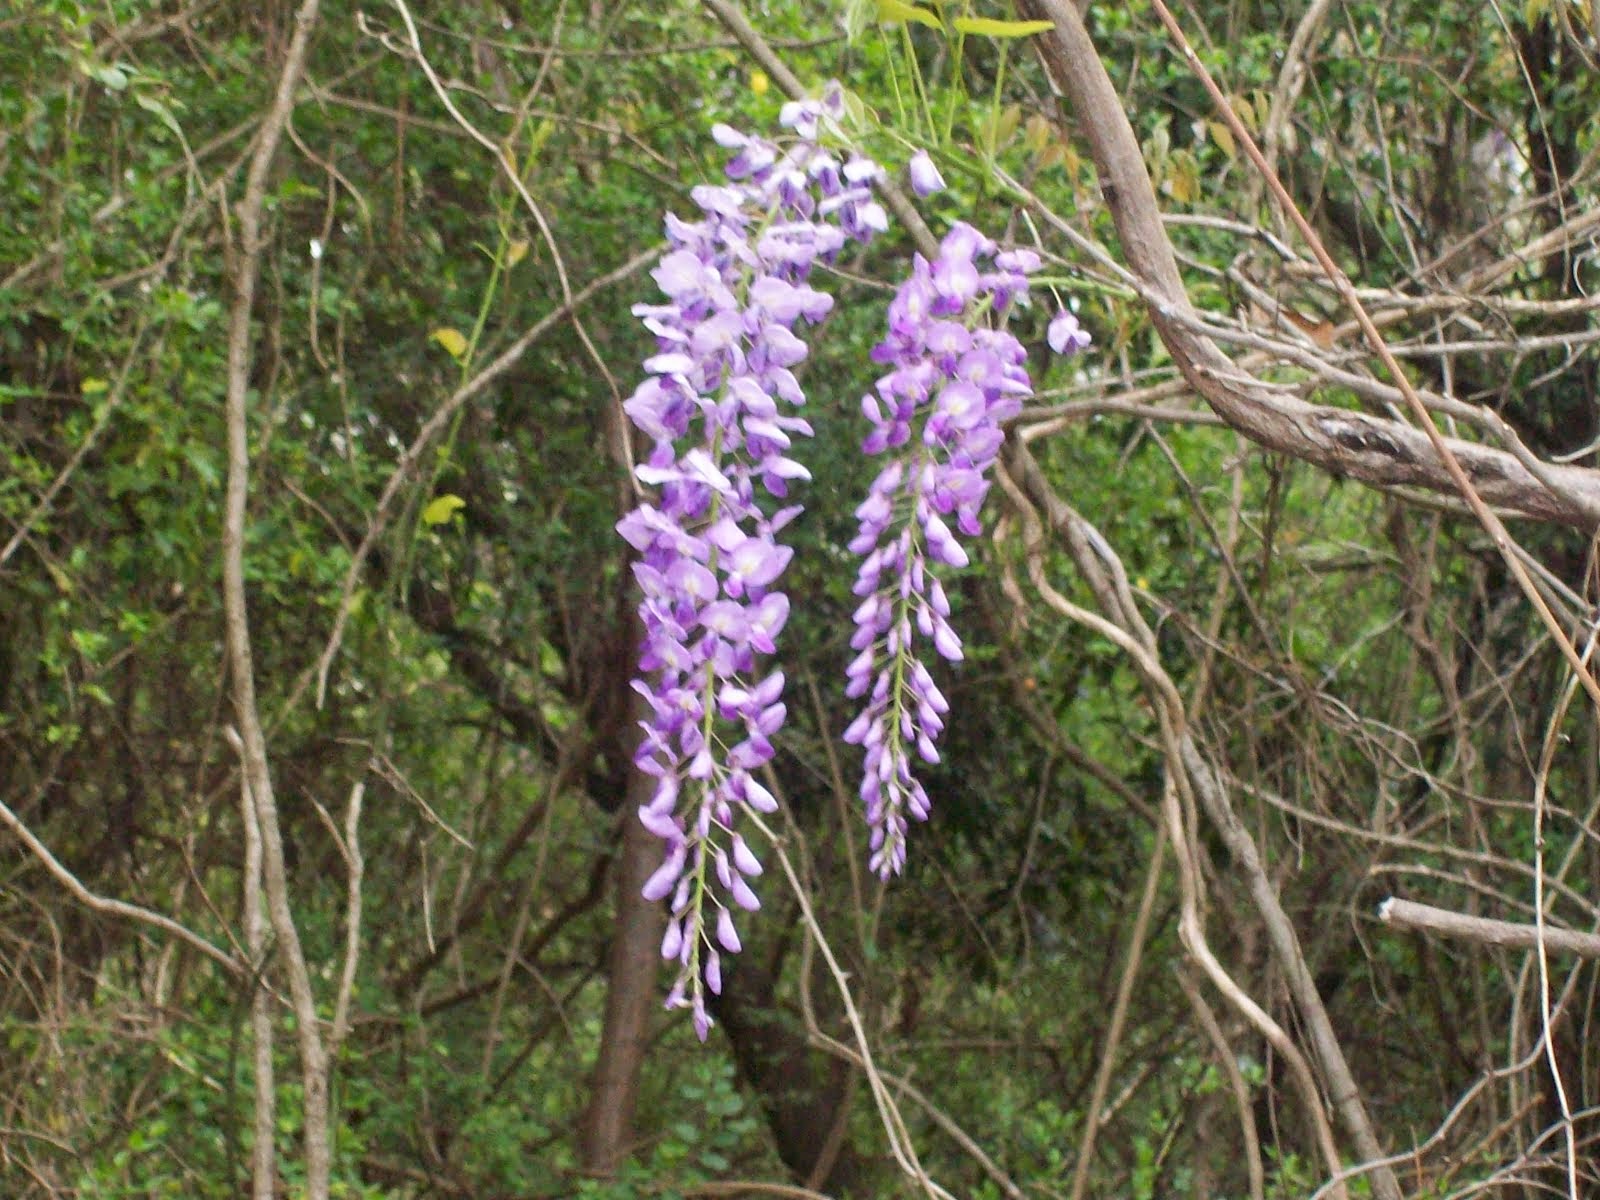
{"type": "Point", "coordinates": [409, 461]}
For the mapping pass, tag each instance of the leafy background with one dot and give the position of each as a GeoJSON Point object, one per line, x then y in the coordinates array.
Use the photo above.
{"type": "Point", "coordinates": [1372, 684]}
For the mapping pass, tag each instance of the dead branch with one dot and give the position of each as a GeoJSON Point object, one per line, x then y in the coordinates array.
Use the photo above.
{"type": "Point", "coordinates": [1375, 450]}
{"type": "Point", "coordinates": [1509, 935]}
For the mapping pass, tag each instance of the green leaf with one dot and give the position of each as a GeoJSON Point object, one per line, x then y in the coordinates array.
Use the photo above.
{"type": "Point", "coordinates": [857, 15]}
{"type": "Point", "coordinates": [152, 105]}
{"type": "Point", "coordinates": [200, 459]}
{"type": "Point", "coordinates": [988, 27]}
{"type": "Point", "coordinates": [549, 659]}
{"type": "Point", "coordinates": [441, 508]}
{"type": "Point", "coordinates": [62, 580]}
{"type": "Point", "coordinates": [91, 643]}
{"type": "Point", "coordinates": [890, 11]}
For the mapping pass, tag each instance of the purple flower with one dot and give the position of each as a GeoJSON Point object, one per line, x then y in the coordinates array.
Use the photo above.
{"type": "Point", "coordinates": [925, 177]}
{"type": "Point", "coordinates": [1065, 335]}
{"type": "Point", "coordinates": [952, 381]}
{"type": "Point", "coordinates": [719, 407]}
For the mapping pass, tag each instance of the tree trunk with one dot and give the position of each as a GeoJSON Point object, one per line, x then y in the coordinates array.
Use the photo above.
{"type": "Point", "coordinates": [802, 1094]}
{"type": "Point", "coordinates": [606, 1135]}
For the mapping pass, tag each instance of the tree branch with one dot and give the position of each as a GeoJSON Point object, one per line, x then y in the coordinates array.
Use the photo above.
{"type": "Point", "coordinates": [108, 906]}
{"type": "Point", "coordinates": [1408, 914]}
{"type": "Point", "coordinates": [252, 743]}
{"type": "Point", "coordinates": [1371, 449]}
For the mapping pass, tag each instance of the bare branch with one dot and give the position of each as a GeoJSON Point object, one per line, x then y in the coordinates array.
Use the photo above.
{"type": "Point", "coordinates": [264, 1151]}
{"type": "Point", "coordinates": [1375, 450]}
{"type": "Point", "coordinates": [1442, 453]}
{"type": "Point", "coordinates": [241, 668]}
{"type": "Point", "coordinates": [114, 908]}
{"type": "Point", "coordinates": [1124, 626]}
{"type": "Point", "coordinates": [1408, 914]}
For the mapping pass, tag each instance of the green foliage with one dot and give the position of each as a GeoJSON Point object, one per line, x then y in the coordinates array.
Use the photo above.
{"type": "Point", "coordinates": [1366, 666]}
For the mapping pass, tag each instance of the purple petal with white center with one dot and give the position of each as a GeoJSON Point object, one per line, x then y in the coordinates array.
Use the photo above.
{"type": "Point", "coordinates": [1065, 335]}
{"type": "Point", "coordinates": [726, 619]}
{"type": "Point", "coordinates": [782, 348]}
{"type": "Point", "coordinates": [674, 362]}
{"type": "Point", "coordinates": [682, 274]}
{"type": "Point", "coordinates": [720, 201]}
{"type": "Point", "coordinates": [717, 334]}
{"type": "Point", "coordinates": [757, 562]}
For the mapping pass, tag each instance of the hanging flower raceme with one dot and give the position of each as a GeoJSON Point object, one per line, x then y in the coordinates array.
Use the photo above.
{"type": "Point", "coordinates": [953, 381]}
{"type": "Point", "coordinates": [720, 405]}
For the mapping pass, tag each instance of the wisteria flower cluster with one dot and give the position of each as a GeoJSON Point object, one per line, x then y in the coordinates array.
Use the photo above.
{"type": "Point", "coordinates": [719, 404]}
{"type": "Point", "coordinates": [953, 381]}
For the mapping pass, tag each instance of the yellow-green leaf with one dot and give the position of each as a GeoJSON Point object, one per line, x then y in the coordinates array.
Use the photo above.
{"type": "Point", "coordinates": [1223, 137]}
{"type": "Point", "coordinates": [515, 253]}
{"type": "Point", "coordinates": [94, 386]}
{"type": "Point", "coordinates": [890, 11]}
{"type": "Point", "coordinates": [454, 344]}
{"type": "Point", "coordinates": [1181, 178]}
{"type": "Point", "coordinates": [441, 508]}
{"type": "Point", "coordinates": [1006, 126]}
{"type": "Point", "coordinates": [988, 27]}
{"type": "Point", "coordinates": [1244, 109]}
{"type": "Point", "coordinates": [1037, 133]}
